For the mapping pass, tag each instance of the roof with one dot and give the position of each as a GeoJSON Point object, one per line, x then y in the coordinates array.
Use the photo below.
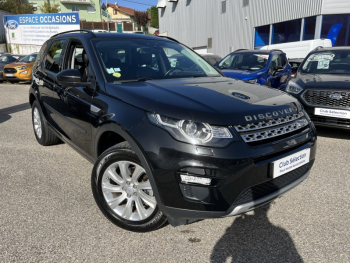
{"type": "Point", "coordinates": [257, 51]}
{"type": "Point", "coordinates": [124, 9]}
{"type": "Point", "coordinates": [322, 49]}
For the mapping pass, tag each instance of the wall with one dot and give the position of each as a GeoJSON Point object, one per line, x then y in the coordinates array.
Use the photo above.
{"type": "Point", "coordinates": [3, 48]}
{"type": "Point", "coordinates": [24, 49]}
{"type": "Point", "coordinates": [118, 16]}
{"type": "Point", "coordinates": [336, 7]}
{"type": "Point", "coordinates": [194, 21]}
{"type": "Point", "coordinates": [83, 14]}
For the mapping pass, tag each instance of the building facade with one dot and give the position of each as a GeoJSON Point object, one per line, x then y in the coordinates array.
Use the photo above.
{"type": "Point", "coordinates": [122, 16]}
{"type": "Point", "coordinates": [222, 26]}
{"type": "Point", "coordinates": [89, 10]}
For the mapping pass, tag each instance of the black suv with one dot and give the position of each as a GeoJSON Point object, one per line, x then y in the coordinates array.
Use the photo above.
{"type": "Point", "coordinates": [168, 143]}
{"type": "Point", "coordinates": [322, 84]}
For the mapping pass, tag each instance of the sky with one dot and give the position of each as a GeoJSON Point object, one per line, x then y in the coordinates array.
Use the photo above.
{"type": "Point", "coordinates": [140, 5]}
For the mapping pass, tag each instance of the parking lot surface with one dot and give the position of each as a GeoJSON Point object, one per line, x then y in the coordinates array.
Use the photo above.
{"type": "Point", "coordinates": [48, 214]}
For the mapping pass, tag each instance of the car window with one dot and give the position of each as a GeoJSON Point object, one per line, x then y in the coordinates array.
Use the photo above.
{"type": "Point", "coordinates": [132, 59]}
{"type": "Point", "coordinates": [4, 59]}
{"type": "Point", "coordinates": [245, 60]}
{"type": "Point", "coordinates": [328, 62]}
{"type": "Point", "coordinates": [54, 55]}
{"type": "Point", "coordinates": [283, 60]}
{"type": "Point", "coordinates": [275, 62]}
{"type": "Point", "coordinates": [29, 58]}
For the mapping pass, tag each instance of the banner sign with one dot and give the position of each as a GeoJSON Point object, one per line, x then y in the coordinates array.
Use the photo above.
{"type": "Point", "coordinates": [36, 29]}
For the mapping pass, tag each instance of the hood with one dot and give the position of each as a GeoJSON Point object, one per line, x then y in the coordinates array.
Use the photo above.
{"type": "Point", "coordinates": [213, 100]}
{"type": "Point", "coordinates": [241, 73]}
{"type": "Point", "coordinates": [323, 81]}
{"type": "Point", "coordinates": [18, 64]}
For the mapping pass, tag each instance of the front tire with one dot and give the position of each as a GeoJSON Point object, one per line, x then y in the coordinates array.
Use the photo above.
{"type": "Point", "coordinates": [43, 134]}
{"type": "Point", "coordinates": [123, 191]}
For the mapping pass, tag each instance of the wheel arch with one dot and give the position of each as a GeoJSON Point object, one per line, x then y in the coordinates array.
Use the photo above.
{"type": "Point", "coordinates": [122, 134]}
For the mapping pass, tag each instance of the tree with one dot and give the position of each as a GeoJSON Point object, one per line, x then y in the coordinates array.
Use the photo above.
{"type": "Point", "coordinates": [48, 7]}
{"type": "Point", "coordinates": [154, 17]}
{"type": "Point", "coordinates": [141, 18]}
{"type": "Point", "coordinates": [16, 7]}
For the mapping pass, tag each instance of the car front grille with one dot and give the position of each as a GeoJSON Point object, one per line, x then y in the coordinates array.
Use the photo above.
{"type": "Point", "coordinates": [10, 70]}
{"type": "Point", "coordinates": [274, 185]}
{"type": "Point", "coordinates": [266, 130]}
{"type": "Point", "coordinates": [322, 98]}
{"type": "Point", "coordinates": [329, 120]}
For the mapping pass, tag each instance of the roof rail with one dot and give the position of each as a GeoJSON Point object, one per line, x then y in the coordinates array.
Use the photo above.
{"type": "Point", "coordinates": [170, 38]}
{"type": "Point", "coordinates": [317, 48]}
{"type": "Point", "coordinates": [276, 50]}
{"type": "Point", "coordinates": [77, 30]}
{"type": "Point", "coordinates": [240, 49]}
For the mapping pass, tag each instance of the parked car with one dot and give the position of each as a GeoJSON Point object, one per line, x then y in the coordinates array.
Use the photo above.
{"type": "Point", "coordinates": [264, 67]}
{"type": "Point", "coordinates": [211, 59]}
{"type": "Point", "coordinates": [295, 63]}
{"type": "Point", "coordinates": [322, 86]}
{"type": "Point", "coordinates": [20, 70]}
{"type": "Point", "coordinates": [299, 49]}
{"type": "Point", "coordinates": [172, 144]}
{"type": "Point", "coordinates": [5, 59]}
{"type": "Point", "coordinates": [156, 33]}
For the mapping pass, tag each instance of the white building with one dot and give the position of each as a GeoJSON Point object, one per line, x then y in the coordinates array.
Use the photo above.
{"type": "Point", "coordinates": [222, 26]}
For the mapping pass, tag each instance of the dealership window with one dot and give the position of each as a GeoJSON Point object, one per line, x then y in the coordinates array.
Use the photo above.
{"type": "Point", "coordinates": [336, 28]}
{"type": "Point", "coordinates": [75, 8]}
{"type": "Point", "coordinates": [90, 9]}
{"type": "Point", "coordinates": [285, 32]}
{"type": "Point", "coordinates": [262, 35]}
{"type": "Point", "coordinates": [309, 28]}
{"type": "Point", "coordinates": [223, 7]}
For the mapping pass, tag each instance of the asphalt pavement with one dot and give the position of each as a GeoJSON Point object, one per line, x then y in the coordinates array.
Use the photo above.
{"type": "Point", "coordinates": [48, 214]}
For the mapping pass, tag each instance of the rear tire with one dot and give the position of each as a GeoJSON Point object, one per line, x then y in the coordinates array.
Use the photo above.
{"type": "Point", "coordinates": [42, 132]}
{"type": "Point", "coordinates": [123, 192]}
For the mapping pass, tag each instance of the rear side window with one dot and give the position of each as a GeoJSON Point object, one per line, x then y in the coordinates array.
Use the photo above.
{"type": "Point", "coordinates": [54, 55]}
{"type": "Point", "coordinates": [283, 60]}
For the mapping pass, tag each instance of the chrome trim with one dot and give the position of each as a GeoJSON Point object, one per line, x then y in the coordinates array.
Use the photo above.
{"type": "Point", "coordinates": [320, 105]}
{"type": "Point", "coordinates": [94, 109]}
{"type": "Point", "coordinates": [252, 205]}
{"type": "Point", "coordinates": [275, 131]}
{"type": "Point", "coordinates": [266, 124]}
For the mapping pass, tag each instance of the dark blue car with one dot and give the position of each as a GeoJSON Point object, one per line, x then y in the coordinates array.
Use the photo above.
{"type": "Point", "coordinates": [264, 67]}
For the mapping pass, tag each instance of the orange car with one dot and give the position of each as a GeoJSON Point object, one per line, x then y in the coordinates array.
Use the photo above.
{"type": "Point", "coordinates": [20, 70]}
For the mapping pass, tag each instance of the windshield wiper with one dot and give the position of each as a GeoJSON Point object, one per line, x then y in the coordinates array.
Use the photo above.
{"type": "Point", "coordinates": [135, 80]}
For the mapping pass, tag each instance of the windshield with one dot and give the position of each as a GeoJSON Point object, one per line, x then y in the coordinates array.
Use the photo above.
{"type": "Point", "coordinates": [328, 62]}
{"type": "Point", "coordinates": [134, 59]}
{"type": "Point", "coordinates": [247, 61]}
{"type": "Point", "coordinates": [29, 58]}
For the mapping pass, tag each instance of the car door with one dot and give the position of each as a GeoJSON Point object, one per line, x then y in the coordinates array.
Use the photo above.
{"type": "Point", "coordinates": [73, 103]}
{"type": "Point", "coordinates": [285, 73]}
{"type": "Point", "coordinates": [51, 65]}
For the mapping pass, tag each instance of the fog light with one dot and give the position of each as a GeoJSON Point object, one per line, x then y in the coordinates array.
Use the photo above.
{"type": "Point", "coordinates": [24, 72]}
{"type": "Point", "coordinates": [195, 179]}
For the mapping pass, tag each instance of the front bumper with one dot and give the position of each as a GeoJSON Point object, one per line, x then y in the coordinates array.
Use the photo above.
{"type": "Point", "coordinates": [18, 76]}
{"type": "Point", "coordinates": [237, 171]}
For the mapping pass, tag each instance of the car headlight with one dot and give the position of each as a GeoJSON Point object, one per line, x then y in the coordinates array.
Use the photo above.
{"type": "Point", "coordinates": [24, 72]}
{"type": "Point", "coordinates": [23, 67]}
{"type": "Point", "coordinates": [193, 132]}
{"type": "Point", "coordinates": [252, 81]}
{"type": "Point", "coordinates": [292, 87]}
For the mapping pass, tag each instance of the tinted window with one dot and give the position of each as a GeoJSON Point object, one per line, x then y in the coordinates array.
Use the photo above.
{"type": "Point", "coordinates": [335, 28]}
{"type": "Point", "coordinates": [283, 60]}
{"type": "Point", "coordinates": [328, 62]}
{"type": "Point", "coordinates": [309, 28]}
{"type": "Point", "coordinates": [262, 34]}
{"type": "Point", "coordinates": [4, 59]}
{"type": "Point", "coordinates": [247, 61]}
{"type": "Point", "coordinates": [54, 55]}
{"type": "Point", "coordinates": [29, 58]}
{"type": "Point", "coordinates": [286, 32]}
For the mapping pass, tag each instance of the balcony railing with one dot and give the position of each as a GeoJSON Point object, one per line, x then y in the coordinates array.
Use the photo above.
{"type": "Point", "coordinates": [86, 2]}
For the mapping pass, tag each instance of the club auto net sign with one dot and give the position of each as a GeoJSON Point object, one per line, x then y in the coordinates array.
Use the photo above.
{"type": "Point", "coordinates": [36, 29]}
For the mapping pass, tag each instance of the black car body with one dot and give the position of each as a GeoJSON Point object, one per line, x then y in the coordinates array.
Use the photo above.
{"type": "Point", "coordinates": [322, 86]}
{"type": "Point", "coordinates": [229, 174]}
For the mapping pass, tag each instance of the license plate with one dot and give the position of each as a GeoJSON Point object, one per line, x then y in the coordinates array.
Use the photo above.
{"type": "Point", "coordinates": [290, 163]}
{"type": "Point", "coordinates": [343, 114]}
{"type": "Point", "coordinates": [8, 75]}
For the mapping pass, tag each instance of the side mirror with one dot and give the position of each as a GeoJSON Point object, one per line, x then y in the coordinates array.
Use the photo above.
{"type": "Point", "coordinates": [72, 78]}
